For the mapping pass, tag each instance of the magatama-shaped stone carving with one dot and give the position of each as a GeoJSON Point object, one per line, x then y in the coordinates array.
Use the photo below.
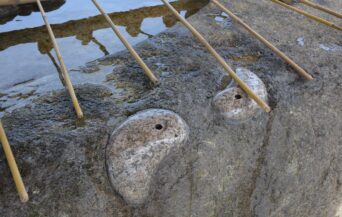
{"type": "Point", "coordinates": [137, 147]}
{"type": "Point", "coordinates": [234, 104]}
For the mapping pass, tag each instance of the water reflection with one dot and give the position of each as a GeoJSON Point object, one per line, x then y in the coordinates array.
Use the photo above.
{"type": "Point", "coordinates": [83, 28]}
{"type": "Point", "coordinates": [45, 47]}
{"type": "Point", "coordinates": [81, 40]}
{"type": "Point", "coordinates": [28, 64]}
{"type": "Point", "coordinates": [8, 13]}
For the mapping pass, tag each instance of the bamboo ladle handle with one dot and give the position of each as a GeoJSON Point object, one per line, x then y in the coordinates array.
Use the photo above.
{"type": "Point", "coordinates": [321, 8]}
{"type": "Point", "coordinates": [220, 59]}
{"type": "Point", "coordinates": [63, 67]}
{"type": "Point", "coordinates": [294, 65]}
{"type": "Point", "coordinates": [316, 18]}
{"type": "Point", "coordinates": [147, 70]}
{"type": "Point", "coordinates": [13, 166]}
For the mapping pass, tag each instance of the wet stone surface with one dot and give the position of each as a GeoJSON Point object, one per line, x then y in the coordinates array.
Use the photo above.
{"type": "Point", "coordinates": [234, 104]}
{"type": "Point", "coordinates": [138, 146]}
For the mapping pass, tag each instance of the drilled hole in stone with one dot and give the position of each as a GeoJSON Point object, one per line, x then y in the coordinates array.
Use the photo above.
{"type": "Point", "coordinates": [238, 96]}
{"type": "Point", "coordinates": [159, 126]}
{"type": "Point", "coordinates": [176, 135]}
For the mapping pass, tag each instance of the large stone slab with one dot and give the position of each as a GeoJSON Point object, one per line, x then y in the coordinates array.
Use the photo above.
{"type": "Point", "coordinates": [286, 163]}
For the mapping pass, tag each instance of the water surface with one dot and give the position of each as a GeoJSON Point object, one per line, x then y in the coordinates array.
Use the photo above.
{"type": "Point", "coordinates": [28, 65]}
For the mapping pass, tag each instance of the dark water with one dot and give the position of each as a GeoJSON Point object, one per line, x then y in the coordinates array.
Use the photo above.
{"type": "Point", "coordinates": [27, 59]}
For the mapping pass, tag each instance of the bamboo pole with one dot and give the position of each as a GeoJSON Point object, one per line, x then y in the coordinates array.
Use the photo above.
{"type": "Point", "coordinates": [129, 47]}
{"type": "Point", "coordinates": [64, 70]}
{"type": "Point", "coordinates": [13, 166]}
{"type": "Point", "coordinates": [16, 2]}
{"type": "Point", "coordinates": [300, 70]}
{"type": "Point", "coordinates": [318, 19]}
{"type": "Point", "coordinates": [228, 69]}
{"type": "Point", "coordinates": [319, 7]}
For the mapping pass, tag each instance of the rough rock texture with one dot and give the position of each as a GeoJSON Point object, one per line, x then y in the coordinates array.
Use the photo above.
{"type": "Point", "coordinates": [234, 104]}
{"type": "Point", "coordinates": [287, 163]}
{"type": "Point", "coordinates": [138, 146]}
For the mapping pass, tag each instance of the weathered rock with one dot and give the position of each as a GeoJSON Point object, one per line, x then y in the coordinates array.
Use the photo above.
{"type": "Point", "coordinates": [234, 104]}
{"type": "Point", "coordinates": [286, 163]}
{"type": "Point", "coordinates": [138, 146]}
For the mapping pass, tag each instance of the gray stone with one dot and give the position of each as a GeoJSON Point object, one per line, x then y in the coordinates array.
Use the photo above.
{"type": "Point", "coordinates": [234, 104]}
{"type": "Point", "coordinates": [138, 146]}
{"type": "Point", "coordinates": [287, 163]}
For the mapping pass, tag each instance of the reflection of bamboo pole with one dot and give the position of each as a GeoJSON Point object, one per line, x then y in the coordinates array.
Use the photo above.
{"type": "Point", "coordinates": [101, 46]}
{"type": "Point", "coordinates": [129, 47]}
{"type": "Point", "coordinates": [13, 166]}
{"type": "Point", "coordinates": [319, 7]}
{"type": "Point", "coordinates": [300, 70]}
{"type": "Point", "coordinates": [318, 19]}
{"type": "Point", "coordinates": [60, 74]}
{"type": "Point", "coordinates": [229, 70]}
{"type": "Point", "coordinates": [62, 64]}
{"type": "Point", "coordinates": [16, 2]}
